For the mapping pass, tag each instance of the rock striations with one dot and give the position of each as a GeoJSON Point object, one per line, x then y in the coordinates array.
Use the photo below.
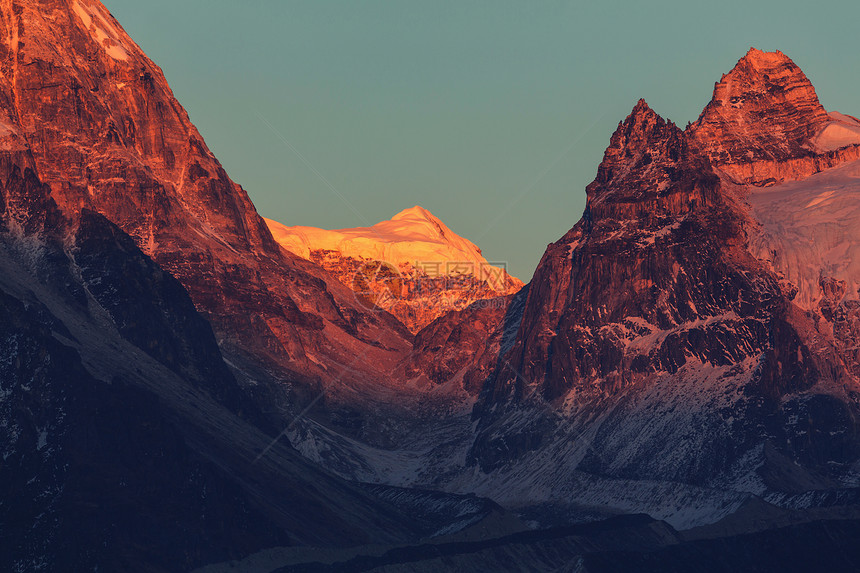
{"type": "Point", "coordinates": [688, 347]}
{"type": "Point", "coordinates": [103, 130]}
{"type": "Point", "coordinates": [765, 125]}
{"type": "Point", "coordinates": [660, 339]}
{"type": "Point", "coordinates": [127, 441]}
{"type": "Point", "coordinates": [123, 429]}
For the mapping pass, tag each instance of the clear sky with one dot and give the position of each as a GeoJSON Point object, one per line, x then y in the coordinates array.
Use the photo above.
{"type": "Point", "coordinates": [492, 114]}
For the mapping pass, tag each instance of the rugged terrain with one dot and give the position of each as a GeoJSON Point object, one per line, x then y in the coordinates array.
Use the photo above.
{"type": "Point", "coordinates": [178, 390]}
{"type": "Point", "coordinates": [129, 441]}
{"type": "Point", "coordinates": [688, 347]}
{"type": "Point", "coordinates": [723, 360]}
{"type": "Point", "coordinates": [105, 133]}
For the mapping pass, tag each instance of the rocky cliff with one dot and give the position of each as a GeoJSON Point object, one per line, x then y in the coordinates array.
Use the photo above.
{"type": "Point", "coordinates": [688, 345]}
{"type": "Point", "coordinates": [128, 443]}
{"type": "Point", "coordinates": [765, 125]}
{"type": "Point", "coordinates": [105, 133]}
{"type": "Point", "coordinates": [663, 341]}
{"type": "Point", "coordinates": [682, 351]}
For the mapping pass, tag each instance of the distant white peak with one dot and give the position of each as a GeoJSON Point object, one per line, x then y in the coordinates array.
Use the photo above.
{"type": "Point", "coordinates": [414, 237]}
{"type": "Point", "coordinates": [842, 131]}
{"type": "Point", "coordinates": [418, 224]}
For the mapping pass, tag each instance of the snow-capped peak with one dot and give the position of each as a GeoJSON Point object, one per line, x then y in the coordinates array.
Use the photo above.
{"type": "Point", "coordinates": [411, 237]}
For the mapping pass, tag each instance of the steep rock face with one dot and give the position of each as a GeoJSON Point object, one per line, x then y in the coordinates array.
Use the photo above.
{"type": "Point", "coordinates": [142, 200]}
{"type": "Point", "coordinates": [656, 346]}
{"type": "Point", "coordinates": [114, 272]}
{"type": "Point", "coordinates": [655, 247]}
{"type": "Point", "coordinates": [465, 346]}
{"type": "Point", "coordinates": [661, 360]}
{"type": "Point", "coordinates": [412, 266]}
{"type": "Point", "coordinates": [94, 475]}
{"type": "Point", "coordinates": [765, 124]}
{"type": "Point", "coordinates": [121, 444]}
{"type": "Point", "coordinates": [91, 257]}
{"type": "Point", "coordinates": [765, 108]}
{"type": "Point", "coordinates": [106, 134]}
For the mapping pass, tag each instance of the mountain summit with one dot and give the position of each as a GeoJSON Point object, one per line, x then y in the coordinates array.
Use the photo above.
{"type": "Point", "coordinates": [764, 108]}
{"type": "Point", "coordinates": [765, 124]}
{"type": "Point", "coordinates": [100, 125]}
{"type": "Point", "coordinates": [171, 376]}
{"type": "Point", "coordinates": [428, 269]}
{"type": "Point", "coordinates": [412, 236]}
{"type": "Point", "coordinates": [127, 443]}
{"type": "Point", "coordinates": [688, 348]}
{"type": "Point", "coordinates": [691, 341]}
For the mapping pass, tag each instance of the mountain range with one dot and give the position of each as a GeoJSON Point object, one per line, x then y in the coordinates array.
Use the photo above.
{"type": "Point", "coordinates": [187, 385]}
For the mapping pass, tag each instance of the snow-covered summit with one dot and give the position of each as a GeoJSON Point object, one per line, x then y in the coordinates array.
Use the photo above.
{"type": "Point", "coordinates": [761, 58]}
{"type": "Point", "coordinates": [841, 131]}
{"type": "Point", "coordinates": [413, 237]}
{"type": "Point", "coordinates": [411, 265]}
{"type": "Point", "coordinates": [810, 232]}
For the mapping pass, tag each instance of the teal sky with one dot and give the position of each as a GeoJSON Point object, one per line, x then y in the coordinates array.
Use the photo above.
{"type": "Point", "coordinates": [492, 114]}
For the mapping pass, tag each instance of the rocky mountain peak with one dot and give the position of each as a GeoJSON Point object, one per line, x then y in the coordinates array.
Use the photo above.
{"type": "Point", "coordinates": [641, 108]}
{"type": "Point", "coordinates": [652, 316]}
{"type": "Point", "coordinates": [637, 128]}
{"type": "Point", "coordinates": [646, 161]}
{"type": "Point", "coordinates": [96, 121]}
{"type": "Point", "coordinates": [641, 115]}
{"type": "Point", "coordinates": [633, 141]}
{"type": "Point", "coordinates": [639, 133]}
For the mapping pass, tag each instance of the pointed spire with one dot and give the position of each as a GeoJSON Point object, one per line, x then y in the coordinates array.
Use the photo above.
{"type": "Point", "coordinates": [638, 125]}
{"type": "Point", "coordinates": [640, 110]}
{"type": "Point", "coordinates": [643, 137]}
